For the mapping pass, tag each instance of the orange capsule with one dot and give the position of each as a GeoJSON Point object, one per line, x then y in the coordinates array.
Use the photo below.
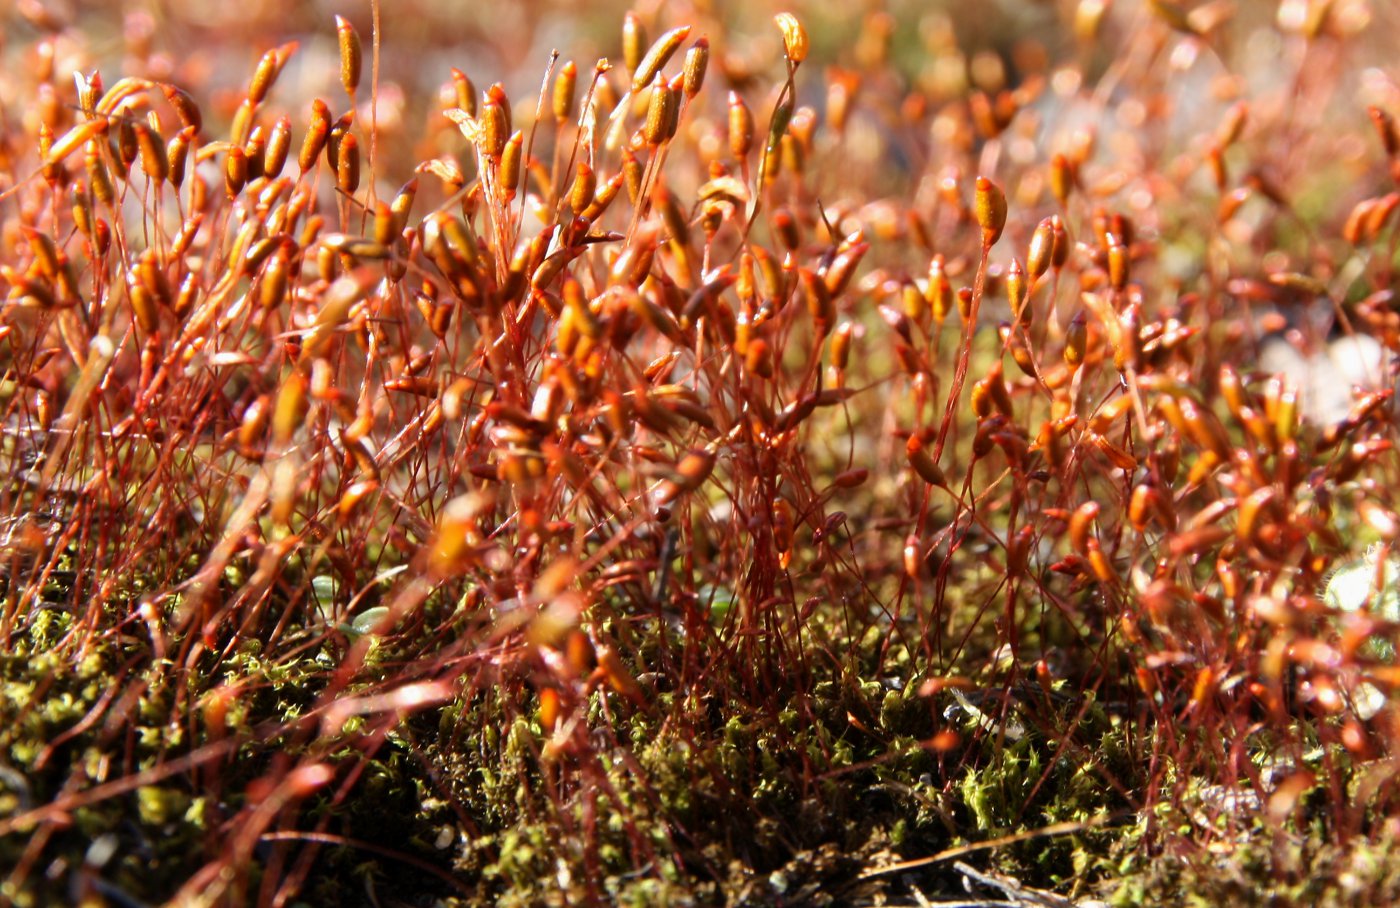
{"type": "Point", "coordinates": [354, 496]}
{"type": "Point", "coordinates": [663, 112]}
{"type": "Point", "coordinates": [1099, 563]}
{"type": "Point", "coordinates": [1140, 506]}
{"type": "Point", "coordinates": [1081, 525]}
{"type": "Point", "coordinates": [912, 556]}
{"type": "Point", "coordinates": [1113, 453]}
{"type": "Point", "coordinates": [1117, 263]}
{"type": "Point", "coordinates": [841, 345]}
{"type": "Point", "coordinates": [510, 167]}
{"type": "Point", "coordinates": [989, 206]}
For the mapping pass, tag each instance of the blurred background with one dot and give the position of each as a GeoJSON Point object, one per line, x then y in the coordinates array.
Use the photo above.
{"type": "Point", "coordinates": [930, 52]}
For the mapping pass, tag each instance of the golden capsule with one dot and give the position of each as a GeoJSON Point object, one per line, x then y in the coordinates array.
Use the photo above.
{"type": "Point", "coordinates": [1042, 246]}
{"type": "Point", "coordinates": [235, 171]}
{"type": "Point", "coordinates": [989, 206]}
{"type": "Point", "coordinates": [263, 76]}
{"type": "Point", "coordinates": [98, 176]}
{"type": "Point", "coordinates": [1117, 263]}
{"type": "Point", "coordinates": [938, 292]}
{"type": "Point", "coordinates": [351, 55]}
{"type": "Point", "coordinates": [279, 142]}
{"type": "Point", "coordinates": [697, 61]}
{"type": "Point", "coordinates": [154, 160]}
{"type": "Point", "coordinates": [509, 173]}
{"type": "Point", "coordinates": [1017, 292]}
{"type": "Point", "coordinates": [565, 91]}
{"type": "Point", "coordinates": [634, 40]}
{"type": "Point", "coordinates": [494, 129]}
{"type": "Point", "coordinates": [663, 111]}
{"type": "Point", "coordinates": [464, 93]}
{"type": "Point", "coordinates": [651, 63]}
{"type": "Point", "coordinates": [795, 42]}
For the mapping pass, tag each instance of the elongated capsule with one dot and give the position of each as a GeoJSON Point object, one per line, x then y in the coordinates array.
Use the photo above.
{"type": "Point", "coordinates": [45, 252]}
{"type": "Point", "coordinates": [255, 150]}
{"type": "Point", "coordinates": [463, 93]}
{"type": "Point", "coordinates": [1042, 246]}
{"type": "Point", "coordinates": [634, 41]}
{"type": "Point", "coordinates": [254, 423]}
{"type": "Point", "coordinates": [697, 61]}
{"type": "Point", "coordinates": [510, 164]}
{"type": "Point", "coordinates": [663, 113]}
{"type": "Point", "coordinates": [75, 138]}
{"type": "Point", "coordinates": [1142, 505]}
{"type": "Point", "coordinates": [290, 410]}
{"type": "Point", "coordinates": [923, 463]}
{"type": "Point", "coordinates": [841, 345]}
{"type": "Point", "coordinates": [494, 129]}
{"type": "Point", "coordinates": [497, 94]}
{"type": "Point", "coordinates": [1059, 252]}
{"type": "Point", "coordinates": [143, 307]}
{"type": "Point", "coordinates": [339, 130]}
{"type": "Point", "coordinates": [154, 161]}
{"type": "Point", "coordinates": [604, 197]}
{"type": "Point", "coordinates": [1117, 263]}
{"type": "Point", "coordinates": [347, 169]}
{"type": "Point", "coordinates": [989, 206]}
{"type": "Point", "coordinates": [795, 42]}
{"type": "Point", "coordinates": [279, 142]}
{"type": "Point", "coordinates": [177, 152]}
{"type": "Point", "coordinates": [583, 189]}
{"type": "Point", "coordinates": [741, 127]}
{"type": "Point", "coordinates": [565, 92]}
{"type": "Point", "coordinates": [843, 267]}
{"type": "Point", "coordinates": [273, 290]}
{"type": "Point", "coordinates": [242, 124]}
{"type": "Point", "coordinates": [1081, 525]}
{"type": "Point", "coordinates": [54, 172]}
{"type": "Point", "coordinates": [1017, 292]}
{"type": "Point", "coordinates": [1061, 178]}
{"type": "Point", "coordinates": [351, 55]}
{"type": "Point", "coordinates": [316, 134]}
{"type": "Point", "coordinates": [263, 77]}
{"type": "Point", "coordinates": [184, 106]}
{"type": "Point", "coordinates": [938, 292]}
{"type": "Point", "coordinates": [402, 205]}
{"type": "Point", "coordinates": [692, 470]}
{"type": "Point", "coordinates": [235, 171]}
{"type": "Point", "coordinates": [656, 56]}
{"type": "Point", "coordinates": [631, 175]}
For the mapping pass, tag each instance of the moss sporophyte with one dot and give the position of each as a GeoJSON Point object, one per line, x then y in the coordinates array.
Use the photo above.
{"type": "Point", "coordinates": [745, 456]}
